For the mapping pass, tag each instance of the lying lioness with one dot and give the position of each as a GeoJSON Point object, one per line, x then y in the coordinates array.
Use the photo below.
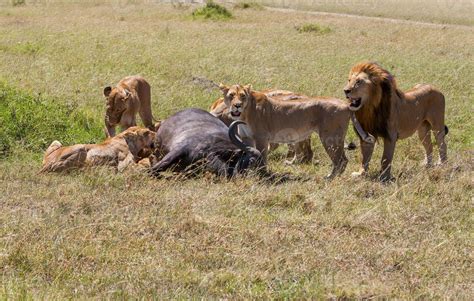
{"type": "Point", "coordinates": [129, 146]}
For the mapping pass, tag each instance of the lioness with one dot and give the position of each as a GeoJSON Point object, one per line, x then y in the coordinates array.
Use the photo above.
{"type": "Point", "coordinates": [131, 145]}
{"type": "Point", "coordinates": [385, 111]}
{"type": "Point", "coordinates": [124, 101]}
{"type": "Point", "coordinates": [270, 120]}
{"type": "Point", "coordinates": [299, 152]}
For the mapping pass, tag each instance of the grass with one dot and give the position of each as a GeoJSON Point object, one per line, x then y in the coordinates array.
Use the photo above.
{"type": "Point", "coordinates": [17, 2]}
{"type": "Point", "coordinates": [28, 122]}
{"type": "Point", "coordinates": [436, 11]}
{"type": "Point", "coordinates": [99, 234]}
{"type": "Point", "coordinates": [249, 5]}
{"type": "Point", "coordinates": [315, 28]}
{"type": "Point", "coordinates": [212, 11]}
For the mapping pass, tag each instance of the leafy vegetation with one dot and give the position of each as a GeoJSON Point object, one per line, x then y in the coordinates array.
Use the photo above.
{"type": "Point", "coordinates": [18, 2]}
{"type": "Point", "coordinates": [212, 11]}
{"type": "Point", "coordinates": [30, 122]}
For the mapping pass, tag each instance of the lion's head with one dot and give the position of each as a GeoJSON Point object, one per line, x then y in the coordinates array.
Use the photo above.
{"type": "Point", "coordinates": [368, 83]}
{"type": "Point", "coordinates": [140, 141]}
{"type": "Point", "coordinates": [369, 90]}
{"type": "Point", "coordinates": [236, 98]}
{"type": "Point", "coordinates": [116, 104]}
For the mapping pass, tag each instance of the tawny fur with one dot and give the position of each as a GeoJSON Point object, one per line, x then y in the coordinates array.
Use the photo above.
{"type": "Point", "coordinates": [299, 152]}
{"type": "Point", "coordinates": [388, 113]}
{"type": "Point", "coordinates": [273, 121]}
{"type": "Point", "coordinates": [123, 102]}
{"type": "Point", "coordinates": [130, 146]}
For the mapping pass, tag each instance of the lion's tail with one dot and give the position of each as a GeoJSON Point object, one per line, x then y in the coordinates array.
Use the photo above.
{"type": "Point", "coordinates": [446, 130]}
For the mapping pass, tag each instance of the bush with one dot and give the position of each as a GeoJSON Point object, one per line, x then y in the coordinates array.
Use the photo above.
{"type": "Point", "coordinates": [212, 11]}
{"type": "Point", "coordinates": [33, 122]}
{"type": "Point", "coordinates": [313, 28]}
{"type": "Point", "coordinates": [18, 2]}
{"type": "Point", "coordinates": [251, 5]}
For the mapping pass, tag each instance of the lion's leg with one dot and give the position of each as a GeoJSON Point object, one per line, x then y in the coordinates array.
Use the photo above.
{"type": "Point", "coordinates": [366, 149]}
{"type": "Point", "coordinates": [387, 157]}
{"type": "Point", "coordinates": [272, 147]}
{"type": "Point", "coordinates": [109, 131]}
{"type": "Point", "coordinates": [262, 145]}
{"type": "Point", "coordinates": [123, 164]}
{"type": "Point", "coordinates": [147, 117]}
{"type": "Point", "coordinates": [291, 154]}
{"type": "Point", "coordinates": [442, 147]}
{"type": "Point", "coordinates": [334, 147]}
{"type": "Point", "coordinates": [71, 160]}
{"type": "Point", "coordinates": [145, 107]}
{"type": "Point", "coordinates": [127, 122]}
{"type": "Point", "coordinates": [304, 153]}
{"type": "Point", "coordinates": [300, 152]}
{"type": "Point", "coordinates": [424, 133]}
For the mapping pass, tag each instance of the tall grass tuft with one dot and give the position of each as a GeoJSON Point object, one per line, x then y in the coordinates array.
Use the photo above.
{"type": "Point", "coordinates": [18, 2]}
{"type": "Point", "coordinates": [212, 11]}
{"type": "Point", "coordinates": [32, 122]}
{"type": "Point", "coordinates": [249, 5]}
{"type": "Point", "coordinates": [314, 28]}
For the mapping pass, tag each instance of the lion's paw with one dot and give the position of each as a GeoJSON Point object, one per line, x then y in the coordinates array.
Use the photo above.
{"type": "Point", "coordinates": [360, 173]}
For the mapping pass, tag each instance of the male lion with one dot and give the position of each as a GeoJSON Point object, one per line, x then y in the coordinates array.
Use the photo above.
{"type": "Point", "coordinates": [385, 111]}
{"type": "Point", "coordinates": [124, 101]}
{"type": "Point", "coordinates": [299, 152]}
{"type": "Point", "coordinates": [274, 121]}
{"type": "Point", "coordinates": [131, 145]}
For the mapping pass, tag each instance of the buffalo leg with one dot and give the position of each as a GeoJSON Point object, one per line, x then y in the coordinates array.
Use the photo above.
{"type": "Point", "coordinates": [166, 162]}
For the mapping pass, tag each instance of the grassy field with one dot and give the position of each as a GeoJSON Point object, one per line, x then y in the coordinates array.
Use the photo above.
{"type": "Point", "coordinates": [436, 11]}
{"type": "Point", "coordinates": [98, 234]}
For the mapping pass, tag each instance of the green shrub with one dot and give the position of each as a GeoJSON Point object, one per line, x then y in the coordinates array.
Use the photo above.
{"type": "Point", "coordinates": [18, 2]}
{"type": "Point", "coordinates": [251, 5]}
{"type": "Point", "coordinates": [313, 28]}
{"type": "Point", "coordinates": [33, 122]}
{"type": "Point", "coordinates": [212, 11]}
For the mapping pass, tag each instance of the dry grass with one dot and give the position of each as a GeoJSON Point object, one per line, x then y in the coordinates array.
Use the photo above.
{"type": "Point", "coordinates": [436, 11]}
{"type": "Point", "coordinates": [105, 235]}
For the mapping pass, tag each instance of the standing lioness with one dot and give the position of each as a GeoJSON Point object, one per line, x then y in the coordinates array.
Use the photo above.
{"type": "Point", "coordinates": [299, 152]}
{"type": "Point", "coordinates": [272, 121]}
{"type": "Point", "coordinates": [124, 101]}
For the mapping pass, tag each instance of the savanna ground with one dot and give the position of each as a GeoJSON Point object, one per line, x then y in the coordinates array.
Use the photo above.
{"type": "Point", "coordinates": [105, 235]}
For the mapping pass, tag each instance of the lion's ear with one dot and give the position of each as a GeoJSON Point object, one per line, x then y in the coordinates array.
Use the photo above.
{"type": "Point", "coordinates": [248, 89]}
{"type": "Point", "coordinates": [224, 88]}
{"type": "Point", "coordinates": [107, 91]}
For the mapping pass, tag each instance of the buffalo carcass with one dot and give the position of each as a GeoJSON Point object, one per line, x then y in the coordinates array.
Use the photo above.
{"type": "Point", "coordinates": [195, 137]}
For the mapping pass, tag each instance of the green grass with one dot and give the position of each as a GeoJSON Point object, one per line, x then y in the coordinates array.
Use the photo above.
{"type": "Point", "coordinates": [100, 234]}
{"type": "Point", "coordinates": [31, 122]}
{"type": "Point", "coordinates": [17, 2]}
{"type": "Point", "coordinates": [212, 11]}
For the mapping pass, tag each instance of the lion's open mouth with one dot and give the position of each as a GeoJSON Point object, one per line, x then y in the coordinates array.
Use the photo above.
{"type": "Point", "coordinates": [235, 113]}
{"type": "Point", "coordinates": [355, 103]}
